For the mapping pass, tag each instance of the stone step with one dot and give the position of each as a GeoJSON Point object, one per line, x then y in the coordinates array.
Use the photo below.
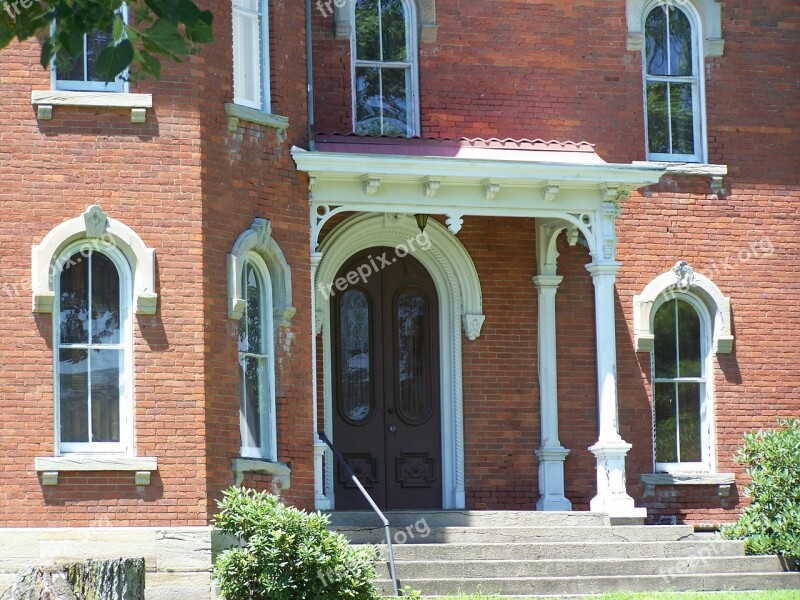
{"type": "Point", "coordinates": [469, 518]}
{"type": "Point", "coordinates": [566, 550]}
{"type": "Point", "coordinates": [502, 569]}
{"type": "Point", "coordinates": [583, 585]}
{"type": "Point", "coordinates": [507, 535]}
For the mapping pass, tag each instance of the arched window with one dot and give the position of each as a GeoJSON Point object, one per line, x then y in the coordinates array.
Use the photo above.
{"type": "Point", "coordinates": [681, 388]}
{"type": "Point", "coordinates": [384, 53]}
{"type": "Point", "coordinates": [93, 341]}
{"type": "Point", "coordinates": [673, 94]}
{"type": "Point", "coordinates": [256, 362]}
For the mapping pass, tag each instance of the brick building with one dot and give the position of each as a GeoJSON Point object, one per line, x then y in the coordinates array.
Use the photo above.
{"type": "Point", "coordinates": [476, 315]}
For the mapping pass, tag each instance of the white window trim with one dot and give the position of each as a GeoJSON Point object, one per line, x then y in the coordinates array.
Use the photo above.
{"type": "Point", "coordinates": [119, 85]}
{"type": "Point", "coordinates": [125, 445]}
{"type": "Point", "coordinates": [707, 465]}
{"type": "Point", "coordinates": [95, 227]}
{"type": "Point", "coordinates": [262, 62]}
{"type": "Point", "coordinates": [412, 111]}
{"type": "Point", "coordinates": [698, 85]}
{"type": "Point", "coordinates": [268, 450]}
{"type": "Point", "coordinates": [709, 11]}
{"type": "Point", "coordinates": [426, 9]}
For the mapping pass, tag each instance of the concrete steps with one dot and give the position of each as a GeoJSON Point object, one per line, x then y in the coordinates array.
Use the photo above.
{"type": "Point", "coordinates": [512, 553]}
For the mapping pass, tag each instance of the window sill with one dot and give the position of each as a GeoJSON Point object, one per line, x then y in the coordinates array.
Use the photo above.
{"type": "Point", "coordinates": [723, 481]}
{"type": "Point", "coordinates": [45, 100]}
{"type": "Point", "coordinates": [281, 472]}
{"type": "Point", "coordinates": [236, 113]}
{"type": "Point", "coordinates": [715, 172]}
{"type": "Point", "coordinates": [51, 466]}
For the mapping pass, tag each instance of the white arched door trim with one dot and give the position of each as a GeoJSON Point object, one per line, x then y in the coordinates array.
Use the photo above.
{"type": "Point", "coordinates": [460, 302]}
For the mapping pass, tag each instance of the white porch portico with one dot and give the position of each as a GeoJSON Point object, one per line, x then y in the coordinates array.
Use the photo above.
{"type": "Point", "coordinates": [566, 188]}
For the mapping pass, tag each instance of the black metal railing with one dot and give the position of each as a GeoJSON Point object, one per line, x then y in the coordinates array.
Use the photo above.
{"type": "Point", "coordinates": [368, 498]}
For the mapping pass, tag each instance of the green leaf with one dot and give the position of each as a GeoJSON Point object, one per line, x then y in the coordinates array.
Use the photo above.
{"type": "Point", "coordinates": [166, 9]}
{"type": "Point", "coordinates": [119, 28]}
{"type": "Point", "coordinates": [163, 38]}
{"type": "Point", "coordinates": [201, 33]}
{"type": "Point", "coordinates": [114, 60]}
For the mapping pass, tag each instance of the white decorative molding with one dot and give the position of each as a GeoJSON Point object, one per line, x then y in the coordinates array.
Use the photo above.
{"type": "Point", "coordinates": [44, 100]}
{"type": "Point", "coordinates": [723, 481]}
{"type": "Point", "coordinates": [279, 471]}
{"type": "Point", "coordinates": [454, 222]}
{"type": "Point", "coordinates": [708, 11]}
{"type": "Point", "coordinates": [51, 466]}
{"type": "Point", "coordinates": [344, 12]}
{"type": "Point", "coordinates": [490, 189]}
{"type": "Point", "coordinates": [431, 187]}
{"type": "Point", "coordinates": [682, 279]}
{"type": "Point", "coordinates": [472, 326]}
{"type": "Point", "coordinates": [371, 184]}
{"type": "Point", "coordinates": [550, 193]}
{"type": "Point", "coordinates": [458, 287]}
{"type": "Point", "coordinates": [258, 238]}
{"type": "Point", "coordinates": [235, 113]}
{"type": "Point", "coordinates": [98, 230]}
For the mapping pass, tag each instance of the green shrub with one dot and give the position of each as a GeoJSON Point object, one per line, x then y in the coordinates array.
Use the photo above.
{"type": "Point", "coordinates": [771, 523]}
{"type": "Point", "coordinates": [287, 554]}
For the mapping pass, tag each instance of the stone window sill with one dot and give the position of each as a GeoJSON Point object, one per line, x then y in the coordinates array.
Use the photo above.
{"type": "Point", "coordinates": [280, 471]}
{"type": "Point", "coordinates": [236, 113]}
{"type": "Point", "coordinates": [723, 481]}
{"type": "Point", "coordinates": [45, 100]}
{"type": "Point", "coordinates": [51, 466]}
{"type": "Point", "coordinates": [715, 172]}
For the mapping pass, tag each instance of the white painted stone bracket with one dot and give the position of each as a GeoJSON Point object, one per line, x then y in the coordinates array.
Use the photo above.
{"type": "Point", "coordinates": [51, 466]}
{"type": "Point", "coordinates": [722, 481]}
{"type": "Point", "coordinates": [235, 113]}
{"type": "Point", "coordinates": [279, 471]}
{"type": "Point", "coordinates": [44, 100]}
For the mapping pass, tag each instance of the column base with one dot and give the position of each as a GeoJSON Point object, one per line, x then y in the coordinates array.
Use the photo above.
{"type": "Point", "coordinates": [551, 479]}
{"type": "Point", "coordinates": [612, 497]}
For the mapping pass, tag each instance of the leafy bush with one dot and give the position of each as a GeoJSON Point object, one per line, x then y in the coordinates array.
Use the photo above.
{"type": "Point", "coordinates": [287, 554]}
{"type": "Point", "coordinates": [771, 523]}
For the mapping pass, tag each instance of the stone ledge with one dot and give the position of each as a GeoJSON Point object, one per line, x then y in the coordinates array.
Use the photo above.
{"type": "Point", "coordinates": [715, 172]}
{"type": "Point", "coordinates": [236, 113]}
{"type": "Point", "coordinates": [44, 100]}
{"type": "Point", "coordinates": [723, 481]}
{"type": "Point", "coordinates": [279, 471]}
{"type": "Point", "coordinates": [50, 466]}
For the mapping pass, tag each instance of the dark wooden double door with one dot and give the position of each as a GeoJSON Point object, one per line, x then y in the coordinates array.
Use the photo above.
{"type": "Point", "coordinates": [386, 389]}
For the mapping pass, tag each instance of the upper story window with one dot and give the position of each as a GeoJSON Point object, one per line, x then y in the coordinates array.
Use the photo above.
{"type": "Point", "coordinates": [80, 73]}
{"type": "Point", "coordinates": [385, 68]}
{"type": "Point", "coordinates": [256, 364]}
{"type": "Point", "coordinates": [251, 54]}
{"type": "Point", "coordinates": [93, 344]}
{"type": "Point", "coordinates": [681, 403]}
{"type": "Point", "coordinates": [673, 89]}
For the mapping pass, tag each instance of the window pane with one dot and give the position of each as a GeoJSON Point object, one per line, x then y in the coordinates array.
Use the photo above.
{"type": "Point", "coordinates": [368, 101]}
{"type": "Point", "coordinates": [247, 57]}
{"type": "Point", "coordinates": [395, 100]}
{"type": "Point", "coordinates": [69, 68]}
{"type": "Point", "coordinates": [251, 5]}
{"type": "Point", "coordinates": [657, 119]}
{"type": "Point", "coordinates": [414, 402]}
{"type": "Point", "coordinates": [682, 118]}
{"type": "Point", "coordinates": [74, 301]}
{"type": "Point", "coordinates": [656, 42]}
{"type": "Point", "coordinates": [355, 398]}
{"type": "Point", "coordinates": [106, 369]}
{"type": "Point", "coordinates": [251, 373]}
{"type": "Point", "coordinates": [689, 413]}
{"type": "Point", "coordinates": [666, 431]}
{"type": "Point", "coordinates": [73, 368]}
{"type": "Point", "coordinates": [664, 344]}
{"type": "Point", "coordinates": [680, 43]}
{"type": "Point", "coordinates": [367, 30]}
{"type": "Point", "coordinates": [105, 300]}
{"type": "Point", "coordinates": [251, 336]}
{"type": "Point", "coordinates": [393, 29]}
{"type": "Point", "coordinates": [95, 43]}
{"type": "Point", "coordinates": [688, 341]}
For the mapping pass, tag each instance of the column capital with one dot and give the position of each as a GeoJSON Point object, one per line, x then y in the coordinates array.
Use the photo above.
{"type": "Point", "coordinates": [596, 269]}
{"type": "Point", "coordinates": [547, 281]}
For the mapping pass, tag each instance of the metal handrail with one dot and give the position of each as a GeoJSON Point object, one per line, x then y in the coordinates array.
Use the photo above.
{"type": "Point", "coordinates": [384, 520]}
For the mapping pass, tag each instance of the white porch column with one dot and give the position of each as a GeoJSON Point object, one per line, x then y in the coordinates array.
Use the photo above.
{"type": "Point", "coordinates": [610, 449]}
{"type": "Point", "coordinates": [321, 501]}
{"type": "Point", "coordinates": [551, 454]}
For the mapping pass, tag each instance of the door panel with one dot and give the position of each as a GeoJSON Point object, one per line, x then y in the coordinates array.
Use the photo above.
{"type": "Point", "coordinates": [387, 409]}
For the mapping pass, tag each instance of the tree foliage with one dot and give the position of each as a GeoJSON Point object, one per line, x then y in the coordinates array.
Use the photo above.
{"type": "Point", "coordinates": [154, 29]}
{"type": "Point", "coordinates": [771, 523]}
